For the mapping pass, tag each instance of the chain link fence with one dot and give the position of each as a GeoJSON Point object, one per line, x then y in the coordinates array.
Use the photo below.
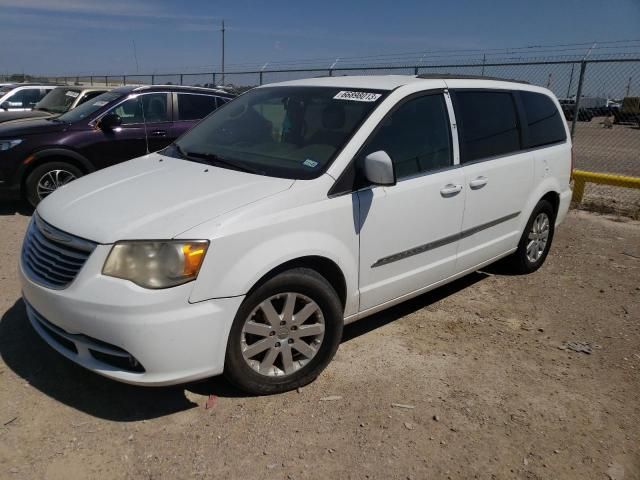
{"type": "Point", "coordinates": [600, 98]}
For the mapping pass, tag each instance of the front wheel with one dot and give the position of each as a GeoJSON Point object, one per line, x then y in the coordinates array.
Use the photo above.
{"type": "Point", "coordinates": [284, 333]}
{"type": "Point", "coordinates": [47, 178]}
{"type": "Point", "coordinates": [536, 239]}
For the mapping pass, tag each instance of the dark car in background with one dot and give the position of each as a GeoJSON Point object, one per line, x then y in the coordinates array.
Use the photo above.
{"type": "Point", "coordinates": [39, 155]}
{"type": "Point", "coordinates": [56, 102]}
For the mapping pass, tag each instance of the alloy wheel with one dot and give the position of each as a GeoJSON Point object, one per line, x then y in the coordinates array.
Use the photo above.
{"type": "Point", "coordinates": [538, 237]}
{"type": "Point", "coordinates": [52, 180]}
{"type": "Point", "coordinates": [282, 334]}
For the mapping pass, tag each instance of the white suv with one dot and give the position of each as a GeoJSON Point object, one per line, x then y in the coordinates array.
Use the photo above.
{"type": "Point", "coordinates": [245, 246]}
{"type": "Point", "coordinates": [22, 96]}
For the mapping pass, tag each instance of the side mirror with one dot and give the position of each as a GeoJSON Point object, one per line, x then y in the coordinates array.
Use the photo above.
{"type": "Point", "coordinates": [378, 168]}
{"type": "Point", "coordinates": [110, 121]}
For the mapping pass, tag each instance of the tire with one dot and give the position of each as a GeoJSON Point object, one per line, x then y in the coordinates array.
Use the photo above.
{"type": "Point", "coordinates": [263, 370]}
{"type": "Point", "coordinates": [46, 178]}
{"type": "Point", "coordinates": [520, 261]}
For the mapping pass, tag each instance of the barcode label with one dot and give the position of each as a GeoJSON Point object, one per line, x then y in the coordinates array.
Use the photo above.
{"type": "Point", "coordinates": [357, 96]}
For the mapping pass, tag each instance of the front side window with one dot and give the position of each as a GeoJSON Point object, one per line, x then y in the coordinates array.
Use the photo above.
{"type": "Point", "coordinates": [416, 137]}
{"type": "Point", "coordinates": [546, 125]}
{"type": "Point", "coordinates": [27, 97]}
{"type": "Point", "coordinates": [154, 105]}
{"type": "Point", "coordinates": [195, 107]}
{"type": "Point", "coordinates": [88, 96]}
{"type": "Point", "coordinates": [290, 132]}
{"type": "Point", "coordinates": [487, 124]}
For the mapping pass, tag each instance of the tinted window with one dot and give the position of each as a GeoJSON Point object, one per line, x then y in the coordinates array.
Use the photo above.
{"type": "Point", "coordinates": [416, 136]}
{"type": "Point", "coordinates": [28, 97]}
{"type": "Point", "coordinates": [88, 96]}
{"type": "Point", "coordinates": [195, 107]}
{"type": "Point", "coordinates": [546, 125]}
{"type": "Point", "coordinates": [487, 124]}
{"type": "Point", "coordinates": [155, 109]}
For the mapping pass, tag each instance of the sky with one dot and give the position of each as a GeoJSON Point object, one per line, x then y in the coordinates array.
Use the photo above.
{"type": "Point", "coordinates": [57, 37]}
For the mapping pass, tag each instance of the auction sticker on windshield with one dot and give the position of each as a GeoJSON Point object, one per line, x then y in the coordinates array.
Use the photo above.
{"type": "Point", "coordinates": [72, 94]}
{"type": "Point", "coordinates": [357, 96]}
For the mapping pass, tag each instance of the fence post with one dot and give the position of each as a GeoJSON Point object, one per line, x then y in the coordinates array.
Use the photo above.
{"type": "Point", "coordinates": [106, 81]}
{"type": "Point", "coordinates": [415, 71]}
{"type": "Point", "coordinates": [153, 79]}
{"type": "Point", "coordinates": [576, 108]}
{"type": "Point", "coordinates": [213, 79]}
{"type": "Point", "coordinates": [181, 79]}
{"type": "Point", "coordinates": [91, 80]}
{"type": "Point", "coordinates": [260, 78]}
{"type": "Point", "coordinates": [124, 79]}
{"type": "Point", "coordinates": [331, 72]}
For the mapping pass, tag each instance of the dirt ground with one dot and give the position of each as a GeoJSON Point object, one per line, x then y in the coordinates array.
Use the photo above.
{"type": "Point", "coordinates": [480, 369]}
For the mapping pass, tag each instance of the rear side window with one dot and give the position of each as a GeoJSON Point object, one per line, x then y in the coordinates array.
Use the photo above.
{"type": "Point", "coordinates": [545, 123]}
{"type": "Point", "coordinates": [195, 107]}
{"type": "Point", "coordinates": [415, 136]}
{"type": "Point", "coordinates": [487, 124]}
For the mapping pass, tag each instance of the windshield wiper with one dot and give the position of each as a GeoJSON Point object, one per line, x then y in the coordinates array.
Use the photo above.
{"type": "Point", "coordinates": [217, 160]}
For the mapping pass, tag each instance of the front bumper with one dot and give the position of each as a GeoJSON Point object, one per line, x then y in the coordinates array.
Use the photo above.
{"type": "Point", "coordinates": [168, 339]}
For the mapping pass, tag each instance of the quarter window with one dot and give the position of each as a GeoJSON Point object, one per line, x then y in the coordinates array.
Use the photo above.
{"type": "Point", "coordinates": [155, 109]}
{"type": "Point", "coordinates": [545, 124]}
{"type": "Point", "coordinates": [195, 107]}
{"type": "Point", "coordinates": [416, 136]}
{"type": "Point", "coordinates": [487, 124]}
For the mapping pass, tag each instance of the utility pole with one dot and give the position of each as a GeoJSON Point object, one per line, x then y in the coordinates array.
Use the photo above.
{"type": "Point", "coordinates": [222, 52]}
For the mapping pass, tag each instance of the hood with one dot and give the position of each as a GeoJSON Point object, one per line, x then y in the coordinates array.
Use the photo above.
{"type": "Point", "coordinates": [10, 116]}
{"type": "Point", "coordinates": [152, 197]}
{"type": "Point", "coordinates": [30, 126]}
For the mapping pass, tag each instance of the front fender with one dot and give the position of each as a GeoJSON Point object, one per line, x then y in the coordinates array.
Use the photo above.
{"type": "Point", "coordinates": [236, 261]}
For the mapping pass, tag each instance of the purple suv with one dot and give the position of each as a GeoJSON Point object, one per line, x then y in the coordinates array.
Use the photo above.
{"type": "Point", "coordinates": [39, 155]}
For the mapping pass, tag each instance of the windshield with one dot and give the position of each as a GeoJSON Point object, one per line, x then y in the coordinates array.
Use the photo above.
{"type": "Point", "coordinates": [83, 111]}
{"type": "Point", "coordinates": [58, 100]}
{"type": "Point", "coordinates": [291, 132]}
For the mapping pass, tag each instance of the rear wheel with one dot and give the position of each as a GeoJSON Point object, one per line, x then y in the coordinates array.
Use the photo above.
{"type": "Point", "coordinates": [536, 240]}
{"type": "Point", "coordinates": [47, 178]}
{"type": "Point", "coordinates": [284, 334]}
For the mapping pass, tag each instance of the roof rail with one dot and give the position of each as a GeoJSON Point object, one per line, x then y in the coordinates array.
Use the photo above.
{"type": "Point", "coordinates": [466, 77]}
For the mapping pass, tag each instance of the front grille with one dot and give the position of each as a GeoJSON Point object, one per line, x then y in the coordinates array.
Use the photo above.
{"type": "Point", "coordinates": [52, 257]}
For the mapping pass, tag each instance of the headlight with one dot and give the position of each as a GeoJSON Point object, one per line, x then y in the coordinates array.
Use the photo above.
{"type": "Point", "coordinates": [156, 264]}
{"type": "Point", "coordinates": [7, 144]}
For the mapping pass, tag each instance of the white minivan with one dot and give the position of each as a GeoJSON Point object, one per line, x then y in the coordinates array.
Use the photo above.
{"type": "Point", "coordinates": [245, 246]}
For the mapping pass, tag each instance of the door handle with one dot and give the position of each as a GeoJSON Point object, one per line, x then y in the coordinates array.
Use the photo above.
{"type": "Point", "coordinates": [158, 133]}
{"type": "Point", "coordinates": [478, 183]}
{"type": "Point", "coordinates": [449, 190]}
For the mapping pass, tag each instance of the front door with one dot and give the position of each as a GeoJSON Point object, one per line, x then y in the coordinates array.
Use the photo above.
{"type": "Point", "coordinates": [409, 232]}
{"type": "Point", "coordinates": [141, 131]}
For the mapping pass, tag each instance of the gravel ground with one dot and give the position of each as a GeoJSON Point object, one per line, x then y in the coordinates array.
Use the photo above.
{"type": "Point", "coordinates": [473, 380]}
